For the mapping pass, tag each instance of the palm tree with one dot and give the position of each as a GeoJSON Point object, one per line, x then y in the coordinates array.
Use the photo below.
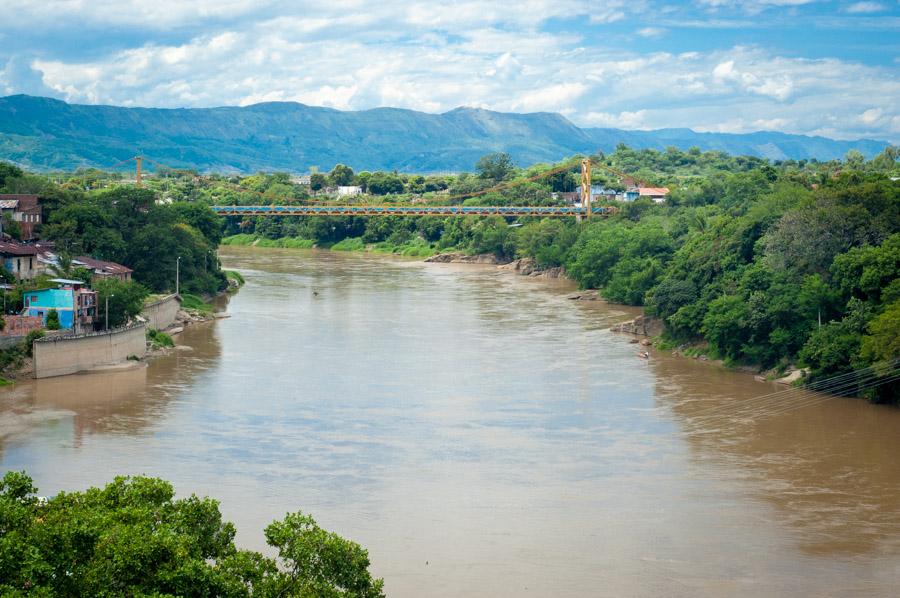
{"type": "Point", "coordinates": [63, 268]}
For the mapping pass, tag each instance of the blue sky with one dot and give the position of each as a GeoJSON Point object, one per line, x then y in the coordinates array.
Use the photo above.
{"type": "Point", "coordinates": [799, 66]}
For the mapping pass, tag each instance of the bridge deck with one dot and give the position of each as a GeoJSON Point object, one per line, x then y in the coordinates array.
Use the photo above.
{"type": "Point", "coordinates": [362, 210]}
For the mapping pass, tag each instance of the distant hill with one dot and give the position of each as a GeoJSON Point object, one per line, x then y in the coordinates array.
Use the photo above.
{"type": "Point", "coordinates": [46, 134]}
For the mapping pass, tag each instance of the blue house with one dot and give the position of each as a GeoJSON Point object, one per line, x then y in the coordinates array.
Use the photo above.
{"type": "Point", "coordinates": [76, 306]}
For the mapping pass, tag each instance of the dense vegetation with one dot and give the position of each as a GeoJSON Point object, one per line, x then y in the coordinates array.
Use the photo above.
{"type": "Point", "coordinates": [129, 226]}
{"type": "Point", "coordinates": [757, 262]}
{"type": "Point", "coordinates": [134, 538]}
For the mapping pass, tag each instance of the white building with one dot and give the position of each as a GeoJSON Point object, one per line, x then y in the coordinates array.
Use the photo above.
{"type": "Point", "coordinates": [349, 190]}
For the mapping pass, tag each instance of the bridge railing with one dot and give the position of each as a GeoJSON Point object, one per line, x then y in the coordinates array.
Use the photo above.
{"type": "Point", "coordinates": [320, 210]}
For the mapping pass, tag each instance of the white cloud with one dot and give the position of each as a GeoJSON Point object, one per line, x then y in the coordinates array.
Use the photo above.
{"type": "Point", "coordinates": [651, 32]}
{"type": "Point", "coordinates": [436, 56]}
{"type": "Point", "coordinates": [865, 7]}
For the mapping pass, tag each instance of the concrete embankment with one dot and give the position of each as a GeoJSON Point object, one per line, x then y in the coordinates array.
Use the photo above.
{"type": "Point", "coordinates": [162, 313]}
{"type": "Point", "coordinates": [61, 355]}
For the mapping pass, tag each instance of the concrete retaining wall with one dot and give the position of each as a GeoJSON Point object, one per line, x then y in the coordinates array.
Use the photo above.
{"type": "Point", "coordinates": [71, 354]}
{"type": "Point", "coordinates": [161, 314]}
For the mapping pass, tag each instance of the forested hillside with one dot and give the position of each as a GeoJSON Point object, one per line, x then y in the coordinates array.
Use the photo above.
{"type": "Point", "coordinates": [47, 134]}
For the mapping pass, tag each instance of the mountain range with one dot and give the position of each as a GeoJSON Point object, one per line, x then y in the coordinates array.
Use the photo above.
{"type": "Point", "coordinates": [48, 134]}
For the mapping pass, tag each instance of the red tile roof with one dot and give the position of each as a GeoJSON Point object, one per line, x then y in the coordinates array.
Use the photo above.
{"type": "Point", "coordinates": [653, 191]}
{"type": "Point", "coordinates": [13, 248]}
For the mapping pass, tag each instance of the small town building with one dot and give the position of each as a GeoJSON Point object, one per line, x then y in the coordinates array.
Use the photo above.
{"type": "Point", "coordinates": [628, 195]}
{"type": "Point", "coordinates": [101, 269]}
{"type": "Point", "coordinates": [657, 194]}
{"type": "Point", "coordinates": [20, 259]}
{"type": "Point", "coordinates": [24, 209]}
{"type": "Point", "coordinates": [302, 179]}
{"type": "Point", "coordinates": [76, 305]}
{"type": "Point", "coordinates": [349, 190]}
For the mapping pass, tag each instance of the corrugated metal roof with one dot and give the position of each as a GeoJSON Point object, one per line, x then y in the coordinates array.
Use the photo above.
{"type": "Point", "coordinates": [8, 204]}
{"type": "Point", "coordinates": [108, 267]}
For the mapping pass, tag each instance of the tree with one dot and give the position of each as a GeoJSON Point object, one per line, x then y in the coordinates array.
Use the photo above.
{"type": "Point", "coordinates": [341, 175]}
{"type": "Point", "coordinates": [317, 181]}
{"type": "Point", "coordinates": [495, 167]}
{"type": "Point", "coordinates": [11, 227]}
{"type": "Point", "coordinates": [126, 299]}
{"type": "Point", "coordinates": [52, 320]}
{"type": "Point", "coordinates": [882, 343]}
{"type": "Point", "coordinates": [134, 538]}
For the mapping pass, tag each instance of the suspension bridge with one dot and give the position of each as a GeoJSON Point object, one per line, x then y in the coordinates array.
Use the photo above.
{"type": "Point", "coordinates": [366, 210]}
{"type": "Point", "coordinates": [584, 210]}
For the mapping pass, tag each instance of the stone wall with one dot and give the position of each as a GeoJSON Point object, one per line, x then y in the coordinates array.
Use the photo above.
{"type": "Point", "coordinates": [161, 314]}
{"type": "Point", "coordinates": [58, 356]}
{"type": "Point", "coordinates": [20, 326]}
{"type": "Point", "coordinates": [642, 326]}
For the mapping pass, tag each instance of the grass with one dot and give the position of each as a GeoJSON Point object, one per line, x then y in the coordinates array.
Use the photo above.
{"type": "Point", "coordinates": [5, 382]}
{"type": "Point", "coordinates": [195, 303]}
{"type": "Point", "coordinates": [257, 241]}
{"type": "Point", "coordinates": [241, 239]}
{"type": "Point", "coordinates": [235, 276]}
{"type": "Point", "coordinates": [159, 339]}
{"type": "Point", "coordinates": [349, 244]}
{"type": "Point", "coordinates": [417, 247]}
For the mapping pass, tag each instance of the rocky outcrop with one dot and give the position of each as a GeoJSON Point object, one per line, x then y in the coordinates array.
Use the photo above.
{"type": "Point", "coordinates": [462, 258]}
{"type": "Point", "coordinates": [641, 325]}
{"type": "Point", "coordinates": [527, 266]}
{"type": "Point", "coordinates": [587, 295]}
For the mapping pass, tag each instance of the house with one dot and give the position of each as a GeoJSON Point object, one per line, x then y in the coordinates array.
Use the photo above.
{"type": "Point", "coordinates": [303, 179]}
{"type": "Point", "coordinates": [20, 259]}
{"type": "Point", "coordinates": [657, 194]}
{"type": "Point", "coordinates": [76, 306]}
{"type": "Point", "coordinates": [601, 193]}
{"type": "Point", "coordinates": [24, 209]}
{"type": "Point", "coordinates": [349, 190]}
{"type": "Point", "coordinates": [101, 269]}
{"type": "Point", "coordinates": [628, 195]}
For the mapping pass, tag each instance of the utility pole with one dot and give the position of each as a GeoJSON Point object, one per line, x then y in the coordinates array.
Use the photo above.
{"type": "Point", "coordinates": [138, 159]}
{"type": "Point", "coordinates": [106, 317]}
{"type": "Point", "coordinates": [178, 276]}
{"type": "Point", "coordinates": [586, 186]}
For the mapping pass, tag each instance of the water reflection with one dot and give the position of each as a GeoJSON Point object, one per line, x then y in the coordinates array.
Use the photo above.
{"type": "Point", "coordinates": [128, 402]}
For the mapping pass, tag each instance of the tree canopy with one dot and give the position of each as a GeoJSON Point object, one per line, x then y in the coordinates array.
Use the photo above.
{"type": "Point", "coordinates": [134, 538]}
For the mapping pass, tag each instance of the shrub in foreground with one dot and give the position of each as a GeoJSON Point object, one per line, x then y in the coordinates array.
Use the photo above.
{"type": "Point", "coordinates": [134, 538]}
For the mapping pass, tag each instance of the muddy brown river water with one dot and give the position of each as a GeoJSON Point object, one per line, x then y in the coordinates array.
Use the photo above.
{"type": "Point", "coordinates": [482, 435]}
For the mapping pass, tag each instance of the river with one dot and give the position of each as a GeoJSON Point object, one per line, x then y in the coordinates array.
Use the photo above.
{"type": "Point", "coordinates": [482, 435]}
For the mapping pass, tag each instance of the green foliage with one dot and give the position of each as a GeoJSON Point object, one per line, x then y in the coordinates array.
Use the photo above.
{"type": "Point", "coordinates": [882, 343]}
{"type": "Point", "coordinates": [349, 244]}
{"type": "Point", "coordinates": [134, 538]}
{"type": "Point", "coordinates": [317, 181]}
{"type": "Point", "coordinates": [126, 225]}
{"type": "Point", "coordinates": [52, 322]}
{"type": "Point", "coordinates": [159, 339]}
{"type": "Point", "coordinates": [28, 343]}
{"type": "Point", "coordinates": [195, 303]}
{"type": "Point", "coordinates": [495, 167]}
{"type": "Point", "coordinates": [125, 299]}
{"type": "Point", "coordinates": [341, 175]}
{"type": "Point", "coordinates": [235, 276]}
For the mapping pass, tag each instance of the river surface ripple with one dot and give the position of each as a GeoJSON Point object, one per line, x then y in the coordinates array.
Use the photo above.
{"type": "Point", "coordinates": [482, 435]}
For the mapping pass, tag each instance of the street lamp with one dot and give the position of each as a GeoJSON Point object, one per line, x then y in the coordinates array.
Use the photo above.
{"type": "Point", "coordinates": [178, 275]}
{"type": "Point", "coordinates": [106, 317]}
